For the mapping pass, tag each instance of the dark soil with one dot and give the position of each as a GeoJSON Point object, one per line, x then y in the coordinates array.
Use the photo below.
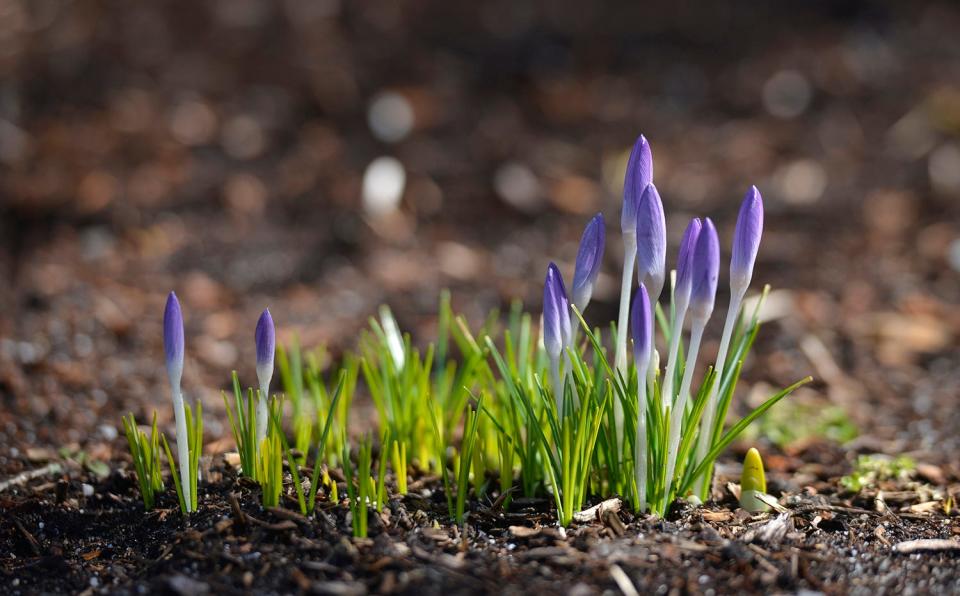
{"type": "Point", "coordinates": [58, 540]}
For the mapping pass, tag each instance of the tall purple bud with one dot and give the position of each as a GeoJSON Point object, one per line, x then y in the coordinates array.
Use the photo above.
{"type": "Point", "coordinates": [589, 260]}
{"type": "Point", "coordinates": [651, 242]}
{"type": "Point", "coordinates": [746, 240]}
{"type": "Point", "coordinates": [173, 340]}
{"type": "Point", "coordinates": [556, 313]}
{"type": "Point", "coordinates": [685, 262]}
{"type": "Point", "coordinates": [706, 267]}
{"type": "Point", "coordinates": [639, 174]}
{"type": "Point", "coordinates": [641, 330]}
{"type": "Point", "coordinates": [265, 338]}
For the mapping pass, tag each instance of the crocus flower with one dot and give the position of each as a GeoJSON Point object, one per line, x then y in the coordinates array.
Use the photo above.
{"type": "Point", "coordinates": [589, 260]}
{"type": "Point", "coordinates": [556, 325]}
{"type": "Point", "coordinates": [641, 330]}
{"type": "Point", "coordinates": [173, 346]}
{"type": "Point", "coordinates": [556, 313]}
{"type": "Point", "coordinates": [706, 268]}
{"type": "Point", "coordinates": [638, 175]}
{"type": "Point", "coordinates": [266, 342]}
{"type": "Point", "coordinates": [651, 242]}
{"type": "Point", "coordinates": [641, 326]}
{"type": "Point", "coordinates": [173, 339]}
{"type": "Point", "coordinates": [746, 243]}
{"type": "Point", "coordinates": [746, 240]}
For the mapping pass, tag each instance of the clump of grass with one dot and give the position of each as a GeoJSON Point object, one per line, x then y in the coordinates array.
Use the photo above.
{"type": "Point", "coordinates": [359, 485]}
{"type": "Point", "coordinates": [146, 458]}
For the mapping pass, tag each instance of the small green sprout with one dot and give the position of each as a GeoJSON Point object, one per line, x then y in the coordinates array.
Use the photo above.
{"type": "Point", "coordinates": [146, 458]}
{"type": "Point", "coordinates": [359, 485]}
{"type": "Point", "coordinates": [753, 482]}
{"type": "Point", "coordinates": [873, 469]}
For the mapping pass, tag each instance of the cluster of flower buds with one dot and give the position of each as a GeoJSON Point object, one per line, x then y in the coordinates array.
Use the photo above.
{"type": "Point", "coordinates": [643, 228]}
{"type": "Point", "coordinates": [173, 343]}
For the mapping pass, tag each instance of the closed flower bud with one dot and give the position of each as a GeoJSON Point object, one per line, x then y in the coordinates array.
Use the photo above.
{"type": "Point", "coordinates": [638, 175]}
{"type": "Point", "coordinates": [753, 482]}
{"type": "Point", "coordinates": [556, 313]}
{"type": "Point", "coordinates": [589, 260]}
{"type": "Point", "coordinates": [651, 242]}
{"type": "Point", "coordinates": [173, 339]}
{"type": "Point", "coordinates": [685, 262]}
{"type": "Point", "coordinates": [265, 337]}
{"type": "Point", "coordinates": [641, 330]}
{"type": "Point", "coordinates": [706, 267]}
{"type": "Point", "coordinates": [746, 240]}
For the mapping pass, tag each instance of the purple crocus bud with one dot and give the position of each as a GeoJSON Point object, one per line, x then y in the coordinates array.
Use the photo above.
{"type": "Point", "coordinates": [589, 259]}
{"type": "Point", "coordinates": [639, 174]}
{"type": "Point", "coordinates": [651, 242]}
{"type": "Point", "coordinates": [556, 313]}
{"type": "Point", "coordinates": [685, 262]}
{"type": "Point", "coordinates": [173, 339]}
{"type": "Point", "coordinates": [706, 267]}
{"type": "Point", "coordinates": [265, 336]}
{"type": "Point", "coordinates": [746, 240]}
{"type": "Point", "coordinates": [641, 329]}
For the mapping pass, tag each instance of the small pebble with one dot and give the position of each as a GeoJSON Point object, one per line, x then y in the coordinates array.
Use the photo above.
{"type": "Point", "coordinates": [87, 490]}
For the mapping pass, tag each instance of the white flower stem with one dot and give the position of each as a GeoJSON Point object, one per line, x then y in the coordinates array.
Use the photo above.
{"type": "Point", "coordinates": [710, 412]}
{"type": "Point", "coordinates": [620, 360]}
{"type": "Point", "coordinates": [557, 386]}
{"type": "Point", "coordinates": [640, 447]}
{"type": "Point", "coordinates": [262, 414]}
{"type": "Point", "coordinates": [676, 414]}
{"type": "Point", "coordinates": [183, 447]}
{"type": "Point", "coordinates": [676, 331]}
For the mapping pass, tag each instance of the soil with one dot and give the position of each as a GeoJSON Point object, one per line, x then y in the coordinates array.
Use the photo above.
{"type": "Point", "coordinates": [220, 152]}
{"type": "Point", "coordinates": [59, 539]}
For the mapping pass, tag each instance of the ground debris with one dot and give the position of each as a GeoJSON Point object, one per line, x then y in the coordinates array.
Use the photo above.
{"type": "Point", "coordinates": [926, 545]}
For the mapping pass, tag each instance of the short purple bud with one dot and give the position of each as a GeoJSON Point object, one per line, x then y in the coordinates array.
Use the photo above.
{"type": "Point", "coordinates": [556, 313]}
{"type": "Point", "coordinates": [681, 292]}
{"type": "Point", "coordinates": [641, 329]}
{"type": "Point", "coordinates": [173, 338]}
{"type": "Point", "coordinates": [651, 242]}
{"type": "Point", "coordinates": [638, 175]}
{"type": "Point", "coordinates": [266, 339]}
{"type": "Point", "coordinates": [706, 267]}
{"type": "Point", "coordinates": [746, 240]}
{"type": "Point", "coordinates": [589, 260]}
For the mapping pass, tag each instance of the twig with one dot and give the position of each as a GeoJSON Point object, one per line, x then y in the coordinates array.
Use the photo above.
{"type": "Point", "coordinates": [24, 477]}
{"type": "Point", "coordinates": [596, 512]}
{"type": "Point", "coordinates": [925, 545]}
{"type": "Point", "coordinates": [623, 581]}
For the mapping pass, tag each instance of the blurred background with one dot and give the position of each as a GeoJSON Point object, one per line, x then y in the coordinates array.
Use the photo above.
{"type": "Point", "coordinates": [323, 157]}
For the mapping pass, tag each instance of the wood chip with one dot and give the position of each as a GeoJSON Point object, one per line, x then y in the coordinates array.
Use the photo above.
{"type": "Point", "coordinates": [596, 512]}
{"type": "Point", "coordinates": [524, 531]}
{"type": "Point", "coordinates": [717, 516]}
{"type": "Point", "coordinates": [925, 545]}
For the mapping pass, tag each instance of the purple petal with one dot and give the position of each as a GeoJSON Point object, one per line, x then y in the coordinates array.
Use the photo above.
{"type": "Point", "coordinates": [651, 242]}
{"type": "Point", "coordinates": [265, 337]}
{"type": "Point", "coordinates": [706, 267]}
{"type": "Point", "coordinates": [173, 333]}
{"type": "Point", "coordinates": [685, 261]}
{"type": "Point", "coordinates": [589, 260]}
{"type": "Point", "coordinates": [556, 313]}
{"type": "Point", "coordinates": [641, 328]}
{"type": "Point", "coordinates": [638, 175]}
{"type": "Point", "coordinates": [746, 239]}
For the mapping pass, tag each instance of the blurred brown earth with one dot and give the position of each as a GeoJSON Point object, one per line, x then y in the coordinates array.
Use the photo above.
{"type": "Point", "coordinates": [322, 158]}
